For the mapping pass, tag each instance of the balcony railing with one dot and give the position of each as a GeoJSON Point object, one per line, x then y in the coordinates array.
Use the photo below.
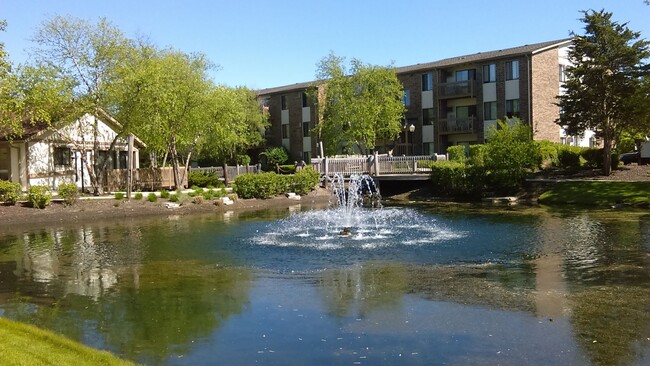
{"type": "Point", "coordinates": [457, 89]}
{"type": "Point", "coordinates": [450, 126]}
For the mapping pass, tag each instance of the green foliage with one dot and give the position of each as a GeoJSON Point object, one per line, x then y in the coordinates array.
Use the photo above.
{"type": "Point", "coordinates": [274, 156]}
{"type": "Point", "coordinates": [138, 196]}
{"type": "Point", "coordinates": [477, 154]}
{"type": "Point", "coordinates": [549, 152]}
{"type": "Point", "coordinates": [164, 193]}
{"type": "Point", "coordinates": [304, 181]}
{"type": "Point", "coordinates": [9, 192]}
{"type": "Point", "coordinates": [604, 84]}
{"type": "Point", "coordinates": [262, 185]}
{"type": "Point", "coordinates": [451, 178]}
{"type": "Point", "coordinates": [457, 153]}
{"type": "Point", "coordinates": [243, 159]}
{"type": "Point", "coordinates": [151, 197]}
{"type": "Point", "coordinates": [39, 196]}
{"type": "Point", "coordinates": [593, 157]}
{"type": "Point", "coordinates": [204, 179]}
{"type": "Point", "coordinates": [119, 195]}
{"type": "Point", "coordinates": [287, 169]}
{"type": "Point", "coordinates": [69, 192]}
{"type": "Point", "coordinates": [569, 158]}
{"type": "Point", "coordinates": [360, 104]}
{"type": "Point", "coordinates": [174, 198]}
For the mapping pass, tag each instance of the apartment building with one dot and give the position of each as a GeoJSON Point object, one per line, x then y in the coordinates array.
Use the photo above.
{"type": "Point", "coordinates": [453, 101]}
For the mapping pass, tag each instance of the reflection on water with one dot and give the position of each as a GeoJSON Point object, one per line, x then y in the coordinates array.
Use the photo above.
{"type": "Point", "coordinates": [410, 287]}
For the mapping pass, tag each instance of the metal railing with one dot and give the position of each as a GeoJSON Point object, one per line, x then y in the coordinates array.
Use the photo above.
{"type": "Point", "coordinates": [457, 89]}
{"type": "Point", "coordinates": [457, 125]}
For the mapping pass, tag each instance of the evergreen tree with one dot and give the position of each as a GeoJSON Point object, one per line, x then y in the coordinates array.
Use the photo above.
{"type": "Point", "coordinates": [604, 81]}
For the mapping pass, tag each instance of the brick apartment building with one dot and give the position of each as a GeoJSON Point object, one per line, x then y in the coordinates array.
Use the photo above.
{"type": "Point", "coordinates": [448, 102]}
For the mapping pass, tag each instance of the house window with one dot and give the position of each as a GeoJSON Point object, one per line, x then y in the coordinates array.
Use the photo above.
{"type": "Point", "coordinates": [283, 100]}
{"type": "Point", "coordinates": [512, 108]}
{"type": "Point", "coordinates": [427, 82]}
{"type": "Point", "coordinates": [122, 156]}
{"type": "Point", "coordinates": [406, 98]}
{"type": "Point", "coordinates": [427, 117]}
{"type": "Point", "coordinates": [102, 156]}
{"type": "Point", "coordinates": [305, 129]}
{"type": "Point", "coordinates": [464, 75]}
{"type": "Point", "coordinates": [512, 70]}
{"type": "Point", "coordinates": [303, 97]}
{"type": "Point", "coordinates": [562, 73]}
{"type": "Point", "coordinates": [489, 111]}
{"type": "Point", "coordinates": [490, 73]}
{"type": "Point", "coordinates": [285, 131]}
{"type": "Point", "coordinates": [62, 156]}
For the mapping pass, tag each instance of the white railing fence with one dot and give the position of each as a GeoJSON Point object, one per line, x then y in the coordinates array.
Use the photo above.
{"type": "Point", "coordinates": [376, 165]}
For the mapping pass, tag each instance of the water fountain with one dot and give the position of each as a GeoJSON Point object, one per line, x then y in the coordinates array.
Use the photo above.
{"type": "Point", "coordinates": [355, 218]}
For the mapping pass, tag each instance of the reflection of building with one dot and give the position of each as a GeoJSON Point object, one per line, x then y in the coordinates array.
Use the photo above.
{"type": "Point", "coordinates": [454, 101]}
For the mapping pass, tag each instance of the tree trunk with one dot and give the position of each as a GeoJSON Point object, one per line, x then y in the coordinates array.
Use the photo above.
{"type": "Point", "coordinates": [174, 157]}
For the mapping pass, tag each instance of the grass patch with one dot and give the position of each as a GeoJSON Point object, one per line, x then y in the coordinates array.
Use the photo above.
{"type": "Point", "coordinates": [24, 344]}
{"type": "Point", "coordinates": [598, 193]}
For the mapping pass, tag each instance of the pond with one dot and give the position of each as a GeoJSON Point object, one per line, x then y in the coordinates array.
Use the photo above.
{"type": "Point", "coordinates": [411, 285]}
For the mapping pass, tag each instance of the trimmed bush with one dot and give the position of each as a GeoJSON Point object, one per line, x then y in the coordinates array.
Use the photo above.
{"type": "Point", "coordinates": [39, 196]}
{"type": "Point", "coordinates": [69, 192]}
{"type": "Point", "coordinates": [477, 154]}
{"type": "Point", "coordinates": [568, 159]}
{"type": "Point", "coordinates": [304, 181]}
{"type": "Point", "coordinates": [119, 195]}
{"type": "Point", "coordinates": [457, 153]}
{"type": "Point", "coordinates": [201, 179]}
{"type": "Point", "coordinates": [151, 197]}
{"type": "Point", "coordinates": [174, 198]}
{"type": "Point", "coordinates": [593, 157]}
{"type": "Point", "coordinates": [137, 196]}
{"type": "Point", "coordinates": [164, 193]}
{"type": "Point", "coordinates": [9, 192]}
{"type": "Point", "coordinates": [263, 185]}
{"type": "Point", "coordinates": [454, 179]}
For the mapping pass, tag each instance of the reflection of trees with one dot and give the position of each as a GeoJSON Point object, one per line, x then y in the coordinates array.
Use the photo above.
{"type": "Point", "coordinates": [358, 290]}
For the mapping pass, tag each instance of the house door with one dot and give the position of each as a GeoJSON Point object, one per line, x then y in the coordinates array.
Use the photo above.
{"type": "Point", "coordinates": [5, 163]}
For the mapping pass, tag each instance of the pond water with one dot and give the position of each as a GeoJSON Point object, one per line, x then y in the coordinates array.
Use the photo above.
{"type": "Point", "coordinates": [411, 285]}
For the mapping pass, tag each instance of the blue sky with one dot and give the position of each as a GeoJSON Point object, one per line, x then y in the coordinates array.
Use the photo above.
{"type": "Point", "coordinates": [261, 44]}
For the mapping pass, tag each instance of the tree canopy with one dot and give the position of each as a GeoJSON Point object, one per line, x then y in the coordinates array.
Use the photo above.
{"type": "Point", "coordinates": [358, 105]}
{"type": "Point", "coordinates": [603, 87]}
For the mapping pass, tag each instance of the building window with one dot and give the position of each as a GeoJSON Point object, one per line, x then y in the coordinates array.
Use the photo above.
{"type": "Point", "coordinates": [284, 102]}
{"type": "Point", "coordinates": [305, 129]}
{"type": "Point", "coordinates": [489, 111]}
{"type": "Point", "coordinates": [406, 98]}
{"type": "Point", "coordinates": [512, 108]}
{"type": "Point", "coordinates": [427, 82]}
{"type": "Point", "coordinates": [62, 156]}
{"type": "Point", "coordinates": [427, 117]}
{"type": "Point", "coordinates": [303, 97]}
{"type": "Point", "coordinates": [122, 155]}
{"type": "Point", "coordinates": [490, 73]}
{"type": "Point", "coordinates": [285, 131]}
{"type": "Point", "coordinates": [562, 73]}
{"type": "Point", "coordinates": [306, 157]}
{"type": "Point", "coordinates": [427, 148]}
{"type": "Point", "coordinates": [464, 75]}
{"type": "Point", "coordinates": [512, 70]}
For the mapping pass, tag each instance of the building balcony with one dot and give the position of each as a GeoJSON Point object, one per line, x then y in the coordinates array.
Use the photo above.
{"type": "Point", "coordinates": [450, 126]}
{"type": "Point", "coordinates": [457, 89]}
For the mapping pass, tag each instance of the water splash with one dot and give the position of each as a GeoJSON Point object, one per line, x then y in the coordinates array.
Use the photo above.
{"type": "Point", "coordinates": [356, 206]}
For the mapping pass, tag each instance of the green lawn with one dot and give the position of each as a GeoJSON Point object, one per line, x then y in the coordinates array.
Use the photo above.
{"type": "Point", "coordinates": [598, 193]}
{"type": "Point", "coordinates": [22, 344]}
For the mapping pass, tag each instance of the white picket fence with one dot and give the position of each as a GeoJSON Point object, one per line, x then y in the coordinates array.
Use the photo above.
{"type": "Point", "coordinates": [375, 165]}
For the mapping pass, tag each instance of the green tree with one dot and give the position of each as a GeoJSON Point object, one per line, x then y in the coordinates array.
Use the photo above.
{"type": "Point", "coordinates": [603, 82]}
{"type": "Point", "coordinates": [87, 56]}
{"type": "Point", "coordinates": [358, 105]}
{"type": "Point", "coordinates": [234, 124]}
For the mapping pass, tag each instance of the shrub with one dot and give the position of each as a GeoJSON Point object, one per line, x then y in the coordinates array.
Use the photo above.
{"type": "Point", "coordinates": [69, 192]}
{"type": "Point", "coordinates": [204, 179]}
{"type": "Point", "coordinates": [451, 178]}
{"type": "Point", "coordinates": [243, 159]}
{"type": "Point", "coordinates": [477, 154]}
{"type": "Point", "coordinates": [151, 197]}
{"type": "Point", "coordinates": [304, 181]}
{"type": "Point", "coordinates": [39, 196]}
{"type": "Point", "coordinates": [174, 198]}
{"type": "Point", "coordinates": [274, 155]}
{"type": "Point", "coordinates": [9, 192]}
{"type": "Point", "coordinates": [549, 153]}
{"type": "Point", "coordinates": [263, 185]}
{"type": "Point", "coordinates": [198, 200]}
{"type": "Point", "coordinates": [119, 195]}
{"type": "Point", "coordinates": [593, 157]}
{"type": "Point", "coordinates": [164, 193]}
{"type": "Point", "coordinates": [138, 196]}
{"type": "Point", "coordinates": [568, 158]}
{"type": "Point", "coordinates": [457, 153]}
{"type": "Point", "coordinates": [288, 169]}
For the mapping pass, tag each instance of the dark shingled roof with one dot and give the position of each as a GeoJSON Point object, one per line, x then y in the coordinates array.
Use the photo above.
{"type": "Point", "coordinates": [459, 60]}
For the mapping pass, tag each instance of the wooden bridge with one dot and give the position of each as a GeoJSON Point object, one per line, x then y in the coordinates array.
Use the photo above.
{"type": "Point", "coordinates": [380, 167]}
